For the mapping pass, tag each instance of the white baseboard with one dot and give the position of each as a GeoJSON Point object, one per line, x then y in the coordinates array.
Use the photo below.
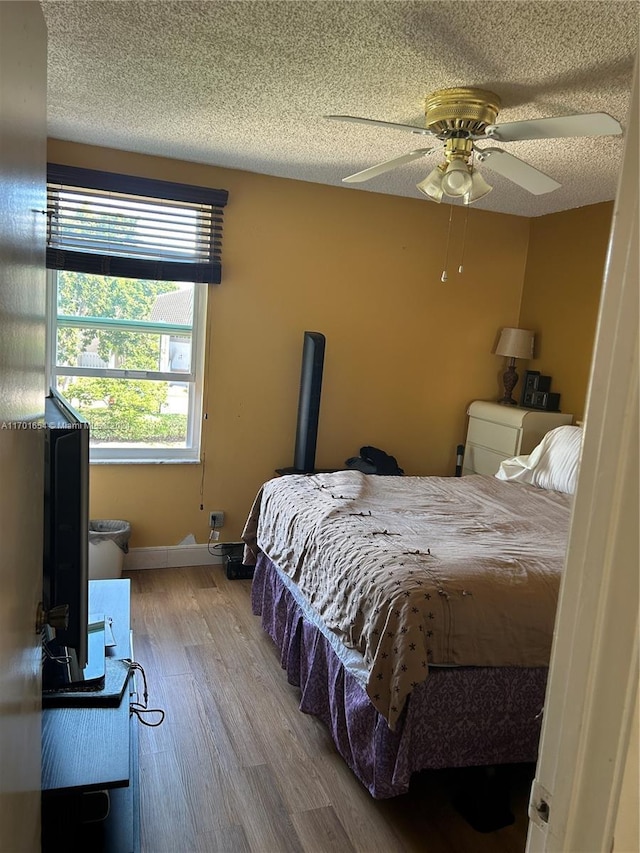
{"type": "Point", "coordinates": [170, 557]}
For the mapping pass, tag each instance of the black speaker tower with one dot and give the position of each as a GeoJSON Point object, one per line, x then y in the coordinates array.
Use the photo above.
{"type": "Point", "coordinates": [304, 457]}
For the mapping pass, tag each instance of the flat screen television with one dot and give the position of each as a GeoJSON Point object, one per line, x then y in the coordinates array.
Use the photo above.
{"type": "Point", "coordinates": [304, 454]}
{"type": "Point", "coordinates": [66, 546]}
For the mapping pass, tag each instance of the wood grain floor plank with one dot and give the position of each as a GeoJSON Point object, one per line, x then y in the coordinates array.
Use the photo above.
{"type": "Point", "coordinates": [233, 627]}
{"type": "Point", "coordinates": [166, 825]}
{"type": "Point", "coordinates": [224, 690]}
{"type": "Point", "coordinates": [170, 694]}
{"type": "Point", "coordinates": [320, 831]}
{"type": "Point", "coordinates": [266, 822]}
{"type": "Point", "coordinates": [165, 632]}
{"type": "Point", "coordinates": [266, 682]}
{"type": "Point", "coordinates": [364, 821]}
{"type": "Point", "coordinates": [280, 731]}
{"type": "Point", "coordinates": [230, 840]}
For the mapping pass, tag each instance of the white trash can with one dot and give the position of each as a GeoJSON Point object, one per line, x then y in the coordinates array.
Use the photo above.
{"type": "Point", "coordinates": [108, 543]}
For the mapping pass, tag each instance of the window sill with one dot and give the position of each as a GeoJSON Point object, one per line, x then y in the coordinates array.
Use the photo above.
{"type": "Point", "coordinates": [144, 461]}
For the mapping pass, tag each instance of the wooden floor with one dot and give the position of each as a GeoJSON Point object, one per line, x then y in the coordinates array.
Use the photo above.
{"type": "Point", "coordinates": [236, 766]}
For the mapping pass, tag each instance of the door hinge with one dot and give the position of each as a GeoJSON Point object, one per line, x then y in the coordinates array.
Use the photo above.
{"type": "Point", "coordinates": [539, 805]}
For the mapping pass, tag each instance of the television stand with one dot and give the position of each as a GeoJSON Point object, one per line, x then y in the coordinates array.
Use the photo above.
{"type": "Point", "coordinates": [90, 794]}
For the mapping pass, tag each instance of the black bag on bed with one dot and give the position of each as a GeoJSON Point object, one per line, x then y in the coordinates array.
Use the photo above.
{"type": "Point", "coordinates": [374, 461]}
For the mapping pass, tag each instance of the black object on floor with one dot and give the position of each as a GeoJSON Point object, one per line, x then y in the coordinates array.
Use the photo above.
{"type": "Point", "coordinates": [236, 570]}
{"type": "Point", "coordinates": [483, 800]}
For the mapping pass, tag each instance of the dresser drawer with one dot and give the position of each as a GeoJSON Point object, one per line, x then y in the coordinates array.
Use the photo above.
{"type": "Point", "coordinates": [504, 439]}
{"type": "Point", "coordinates": [481, 460]}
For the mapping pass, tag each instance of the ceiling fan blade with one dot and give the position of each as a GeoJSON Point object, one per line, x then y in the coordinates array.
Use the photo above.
{"type": "Point", "coordinates": [422, 131]}
{"type": "Point", "coordinates": [585, 124]}
{"type": "Point", "coordinates": [372, 171]}
{"type": "Point", "coordinates": [516, 170]}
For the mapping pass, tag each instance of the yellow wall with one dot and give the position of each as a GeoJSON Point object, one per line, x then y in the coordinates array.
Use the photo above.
{"type": "Point", "coordinates": [563, 280]}
{"type": "Point", "coordinates": [405, 353]}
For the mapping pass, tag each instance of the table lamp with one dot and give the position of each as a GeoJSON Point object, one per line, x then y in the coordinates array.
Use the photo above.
{"type": "Point", "coordinates": [513, 343]}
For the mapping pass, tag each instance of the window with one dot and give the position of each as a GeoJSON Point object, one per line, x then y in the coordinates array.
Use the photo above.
{"type": "Point", "coordinates": [128, 258]}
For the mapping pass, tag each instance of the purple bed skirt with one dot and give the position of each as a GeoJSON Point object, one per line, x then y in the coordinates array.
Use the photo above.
{"type": "Point", "coordinates": [458, 717]}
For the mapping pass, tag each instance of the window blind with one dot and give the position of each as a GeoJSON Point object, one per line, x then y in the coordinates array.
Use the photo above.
{"type": "Point", "coordinates": [129, 227]}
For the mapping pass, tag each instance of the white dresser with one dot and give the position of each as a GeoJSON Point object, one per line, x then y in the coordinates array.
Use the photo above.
{"type": "Point", "coordinates": [497, 432]}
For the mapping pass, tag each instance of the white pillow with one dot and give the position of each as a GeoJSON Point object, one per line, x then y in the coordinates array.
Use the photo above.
{"type": "Point", "coordinates": [559, 463]}
{"type": "Point", "coordinates": [553, 464]}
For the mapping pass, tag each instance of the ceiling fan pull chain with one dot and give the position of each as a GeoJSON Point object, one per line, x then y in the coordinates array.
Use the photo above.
{"type": "Point", "coordinates": [464, 239]}
{"type": "Point", "coordinates": [444, 275]}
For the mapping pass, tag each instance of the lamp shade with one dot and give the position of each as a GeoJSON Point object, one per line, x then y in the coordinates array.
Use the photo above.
{"type": "Point", "coordinates": [479, 188]}
{"type": "Point", "coordinates": [431, 186]}
{"type": "Point", "coordinates": [516, 343]}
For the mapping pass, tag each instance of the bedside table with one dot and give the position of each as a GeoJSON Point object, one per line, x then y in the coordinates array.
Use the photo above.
{"type": "Point", "coordinates": [498, 432]}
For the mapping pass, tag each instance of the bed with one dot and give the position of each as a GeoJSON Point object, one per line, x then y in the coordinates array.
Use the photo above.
{"type": "Point", "coordinates": [416, 614]}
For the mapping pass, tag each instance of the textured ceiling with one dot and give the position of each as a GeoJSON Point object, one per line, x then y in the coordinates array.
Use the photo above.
{"type": "Point", "coordinates": [245, 85]}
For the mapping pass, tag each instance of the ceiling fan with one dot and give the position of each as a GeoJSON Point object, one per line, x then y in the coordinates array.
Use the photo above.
{"type": "Point", "coordinates": [462, 116]}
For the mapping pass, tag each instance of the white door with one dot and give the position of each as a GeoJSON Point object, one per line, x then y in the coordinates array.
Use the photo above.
{"type": "Point", "coordinates": [22, 307]}
{"type": "Point", "coordinates": [593, 679]}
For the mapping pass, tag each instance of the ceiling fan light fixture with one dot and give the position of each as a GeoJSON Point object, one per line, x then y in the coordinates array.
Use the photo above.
{"type": "Point", "coordinates": [431, 186]}
{"type": "Point", "coordinates": [457, 181]}
{"type": "Point", "coordinates": [479, 188]}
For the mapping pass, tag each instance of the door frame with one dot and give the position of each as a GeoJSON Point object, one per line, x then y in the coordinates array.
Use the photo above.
{"type": "Point", "coordinates": [593, 676]}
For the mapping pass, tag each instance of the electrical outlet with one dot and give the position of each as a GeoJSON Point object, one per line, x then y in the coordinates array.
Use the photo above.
{"type": "Point", "coordinates": [216, 519]}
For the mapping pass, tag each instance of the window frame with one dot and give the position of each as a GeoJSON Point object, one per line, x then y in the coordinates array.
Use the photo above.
{"type": "Point", "coordinates": [204, 269]}
{"type": "Point", "coordinates": [195, 379]}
